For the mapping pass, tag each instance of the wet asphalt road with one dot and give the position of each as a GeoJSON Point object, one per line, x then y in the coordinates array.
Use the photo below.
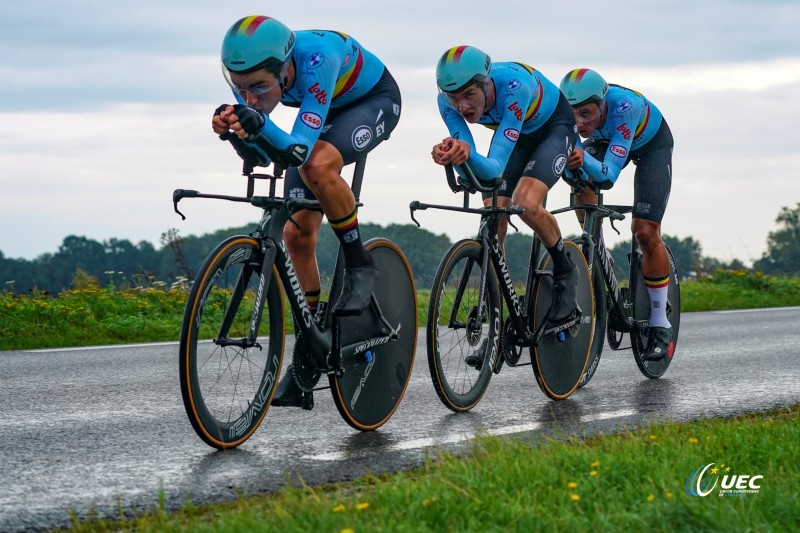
{"type": "Point", "coordinates": [85, 428]}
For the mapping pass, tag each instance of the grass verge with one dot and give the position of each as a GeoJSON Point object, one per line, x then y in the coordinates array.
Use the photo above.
{"type": "Point", "coordinates": [633, 480]}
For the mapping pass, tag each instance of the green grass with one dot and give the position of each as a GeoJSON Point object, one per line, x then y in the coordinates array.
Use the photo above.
{"type": "Point", "coordinates": [109, 315]}
{"type": "Point", "coordinates": [629, 481]}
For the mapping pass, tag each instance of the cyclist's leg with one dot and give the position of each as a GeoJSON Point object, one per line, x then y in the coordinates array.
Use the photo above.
{"type": "Point", "coordinates": [349, 134]}
{"type": "Point", "coordinates": [653, 180]}
{"type": "Point", "coordinates": [544, 169]}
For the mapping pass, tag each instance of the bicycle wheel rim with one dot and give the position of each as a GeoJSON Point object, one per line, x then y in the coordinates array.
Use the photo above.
{"type": "Point", "coordinates": [600, 320]}
{"type": "Point", "coordinates": [368, 392]}
{"type": "Point", "coordinates": [227, 389]}
{"type": "Point", "coordinates": [458, 385]}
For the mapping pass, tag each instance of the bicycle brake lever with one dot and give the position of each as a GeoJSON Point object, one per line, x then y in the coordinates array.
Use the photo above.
{"type": "Point", "coordinates": [613, 226]}
{"type": "Point", "coordinates": [413, 206]}
{"type": "Point", "coordinates": [178, 195]}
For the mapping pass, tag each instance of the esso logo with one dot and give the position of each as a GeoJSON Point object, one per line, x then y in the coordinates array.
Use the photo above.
{"type": "Point", "coordinates": [511, 134]}
{"type": "Point", "coordinates": [559, 163]}
{"type": "Point", "coordinates": [362, 137]}
{"type": "Point", "coordinates": [618, 151]}
{"type": "Point", "coordinates": [312, 120]}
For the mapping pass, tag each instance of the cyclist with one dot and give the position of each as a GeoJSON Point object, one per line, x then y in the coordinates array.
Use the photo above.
{"type": "Point", "coordinates": [534, 135]}
{"type": "Point", "coordinates": [348, 103]}
{"type": "Point", "coordinates": [622, 126]}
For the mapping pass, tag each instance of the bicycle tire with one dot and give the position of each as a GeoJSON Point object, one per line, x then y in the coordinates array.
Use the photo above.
{"type": "Point", "coordinates": [368, 392]}
{"type": "Point", "coordinates": [600, 322]}
{"type": "Point", "coordinates": [559, 365]}
{"type": "Point", "coordinates": [641, 314]}
{"type": "Point", "coordinates": [227, 390]}
{"type": "Point", "coordinates": [458, 385]}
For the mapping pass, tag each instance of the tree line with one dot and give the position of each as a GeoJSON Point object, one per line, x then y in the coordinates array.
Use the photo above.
{"type": "Point", "coordinates": [79, 259]}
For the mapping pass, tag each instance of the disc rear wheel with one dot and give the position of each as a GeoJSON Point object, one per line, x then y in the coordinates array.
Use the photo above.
{"type": "Point", "coordinates": [559, 361]}
{"type": "Point", "coordinates": [376, 376]}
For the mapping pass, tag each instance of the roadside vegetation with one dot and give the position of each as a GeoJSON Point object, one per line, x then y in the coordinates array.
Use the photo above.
{"type": "Point", "coordinates": [121, 313]}
{"type": "Point", "coordinates": [634, 481]}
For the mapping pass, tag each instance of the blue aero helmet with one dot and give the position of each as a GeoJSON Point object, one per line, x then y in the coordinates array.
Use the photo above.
{"type": "Point", "coordinates": [582, 86]}
{"type": "Point", "coordinates": [460, 66]}
{"type": "Point", "coordinates": [257, 42]}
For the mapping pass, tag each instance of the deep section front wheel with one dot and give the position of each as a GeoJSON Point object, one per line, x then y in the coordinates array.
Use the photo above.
{"type": "Point", "coordinates": [463, 327]}
{"type": "Point", "coordinates": [641, 315]}
{"type": "Point", "coordinates": [227, 382]}
{"type": "Point", "coordinates": [559, 361]}
{"type": "Point", "coordinates": [375, 378]}
{"type": "Point", "coordinates": [600, 320]}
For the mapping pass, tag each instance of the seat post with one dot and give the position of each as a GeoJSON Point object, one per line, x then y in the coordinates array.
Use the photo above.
{"type": "Point", "coordinates": [358, 177]}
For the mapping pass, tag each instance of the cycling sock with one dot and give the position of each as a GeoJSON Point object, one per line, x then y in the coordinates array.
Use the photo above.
{"type": "Point", "coordinates": [312, 298]}
{"type": "Point", "coordinates": [657, 290]}
{"type": "Point", "coordinates": [346, 229]}
{"type": "Point", "coordinates": [561, 264]}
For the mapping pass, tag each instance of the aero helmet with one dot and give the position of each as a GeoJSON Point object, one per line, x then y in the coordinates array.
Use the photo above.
{"type": "Point", "coordinates": [460, 66]}
{"type": "Point", "coordinates": [582, 86]}
{"type": "Point", "coordinates": [257, 42]}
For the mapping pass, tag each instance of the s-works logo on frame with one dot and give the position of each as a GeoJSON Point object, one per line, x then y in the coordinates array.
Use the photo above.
{"type": "Point", "coordinates": [703, 480]}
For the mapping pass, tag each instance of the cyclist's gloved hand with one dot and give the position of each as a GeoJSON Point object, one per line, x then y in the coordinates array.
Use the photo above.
{"type": "Point", "coordinates": [220, 109]}
{"type": "Point", "coordinates": [251, 120]}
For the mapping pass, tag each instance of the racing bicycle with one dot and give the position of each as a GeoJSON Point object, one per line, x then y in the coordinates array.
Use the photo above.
{"type": "Point", "coordinates": [470, 336]}
{"type": "Point", "coordinates": [233, 333]}
{"type": "Point", "coordinates": [619, 310]}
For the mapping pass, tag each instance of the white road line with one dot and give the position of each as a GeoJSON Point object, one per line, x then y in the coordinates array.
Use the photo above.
{"type": "Point", "coordinates": [759, 310]}
{"type": "Point", "coordinates": [415, 444]}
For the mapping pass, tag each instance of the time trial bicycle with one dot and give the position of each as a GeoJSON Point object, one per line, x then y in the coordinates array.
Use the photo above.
{"type": "Point", "coordinates": [233, 333]}
{"type": "Point", "coordinates": [620, 310]}
{"type": "Point", "coordinates": [469, 338]}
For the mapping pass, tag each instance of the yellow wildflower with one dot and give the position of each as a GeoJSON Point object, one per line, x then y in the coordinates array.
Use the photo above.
{"type": "Point", "coordinates": [572, 485]}
{"type": "Point", "coordinates": [362, 506]}
{"type": "Point", "coordinates": [339, 508]}
{"type": "Point", "coordinates": [574, 497]}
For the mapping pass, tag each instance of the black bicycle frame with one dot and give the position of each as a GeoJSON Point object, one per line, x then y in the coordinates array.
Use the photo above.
{"type": "Point", "coordinates": [592, 238]}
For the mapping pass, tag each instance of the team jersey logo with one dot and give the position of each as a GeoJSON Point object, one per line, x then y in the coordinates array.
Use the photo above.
{"type": "Point", "coordinates": [512, 85]}
{"type": "Point", "coordinates": [312, 120]}
{"type": "Point", "coordinates": [514, 108]}
{"type": "Point", "coordinates": [559, 163]}
{"type": "Point", "coordinates": [511, 134]}
{"type": "Point", "coordinates": [316, 59]}
{"type": "Point", "coordinates": [624, 106]}
{"type": "Point", "coordinates": [362, 137]}
{"type": "Point", "coordinates": [319, 93]}
{"type": "Point", "coordinates": [618, 150]}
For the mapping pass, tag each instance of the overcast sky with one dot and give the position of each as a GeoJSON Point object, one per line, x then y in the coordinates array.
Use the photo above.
{"type": "Point", "coordinates": [105, 109]}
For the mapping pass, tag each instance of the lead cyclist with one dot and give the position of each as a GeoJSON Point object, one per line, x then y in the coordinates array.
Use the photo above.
{"type": "Point", "coordinates": [621, 126]}
{"type": "Point", "coordinates": [348, 104]}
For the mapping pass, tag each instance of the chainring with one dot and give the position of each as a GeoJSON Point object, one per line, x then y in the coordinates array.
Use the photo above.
{"type": "Point", "coordinates": [306, 374]}
{"type": "Point", "coordinates": [508, 349]}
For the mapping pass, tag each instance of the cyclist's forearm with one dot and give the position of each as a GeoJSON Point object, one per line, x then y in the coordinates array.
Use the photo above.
{"type": "Point", "coordinates": [484, 168]}
{"type": "Point", "coordinates": [599, 170]}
